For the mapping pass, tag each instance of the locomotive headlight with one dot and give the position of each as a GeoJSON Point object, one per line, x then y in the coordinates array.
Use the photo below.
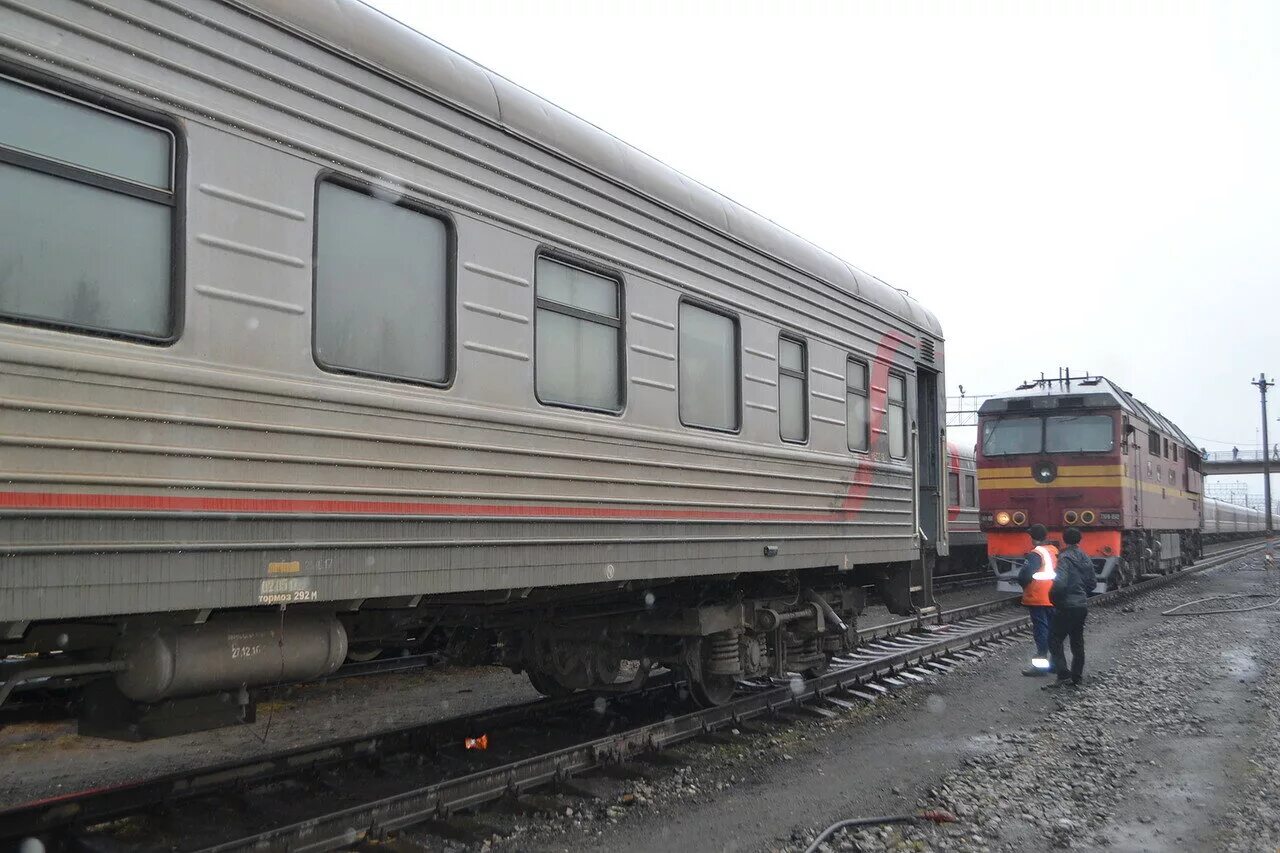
{"type": "Point", "coordinates": [1019, 517]}
{"type": "Point", "coordinates": [1070, 516]}
{"type": "Point", "coordinates": [1087, 516]}
{"type": "Point", "coordinates": [1002, 518]}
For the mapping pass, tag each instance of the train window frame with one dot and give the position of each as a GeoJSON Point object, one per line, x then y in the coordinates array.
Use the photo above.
{"type": "Point", "coordinates": [1166, 448]}
{"type": "Point", "coordinates": [803, 375]}
{"type": "Point", "coordinates": [1153, 442]}
{"type": "Point", "coordinates": [568, 260]}
{"type": "Point", "coordinates": [737, 364]}
{"type": "Point", "coordinates": [384, 193]}
{"type": "Point", "coordinates": [175, 198]}
{"type": "Point", "coordinates": [970, 490]}
{"type": "Point", "coordinates": [865, 393]}
{"type": "Point", "coordinates": [891, 403]}
{"type": "Point", "coordinates": [953, 489]}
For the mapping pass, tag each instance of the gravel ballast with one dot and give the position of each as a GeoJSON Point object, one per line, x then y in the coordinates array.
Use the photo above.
{"type": "Point", "coordinates": [1171, 744]}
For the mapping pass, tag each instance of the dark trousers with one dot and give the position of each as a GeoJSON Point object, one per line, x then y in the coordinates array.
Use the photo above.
{"type": "Point", "coordinates": [1068, 622]}
{"type": "Point", "coordinates": [1040, 620]}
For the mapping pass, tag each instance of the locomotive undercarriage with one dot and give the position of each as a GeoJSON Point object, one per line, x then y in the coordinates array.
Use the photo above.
{"type": "Point", "coordinates": [1150, 552]}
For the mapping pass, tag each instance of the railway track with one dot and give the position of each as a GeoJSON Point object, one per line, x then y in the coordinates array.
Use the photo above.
{"type": "Point", "coordinates": [891, 656]}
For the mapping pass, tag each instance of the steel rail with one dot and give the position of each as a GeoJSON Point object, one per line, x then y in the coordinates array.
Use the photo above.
{"type": "Point", "coordinates": [371, 821]}
{"type": "Point", "coordinates": [88, 807]}
{"type": "Point", "coordinates": [885, 650]}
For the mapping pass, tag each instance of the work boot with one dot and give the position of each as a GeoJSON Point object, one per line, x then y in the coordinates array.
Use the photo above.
{"type": "Point", "coordinates": [1061, 682]}
{"type": "Point", "coordinates": [1036, 672]}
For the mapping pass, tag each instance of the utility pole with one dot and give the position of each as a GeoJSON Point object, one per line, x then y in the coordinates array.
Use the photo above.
{"type": "Point", "coordinates": [1262, 385]}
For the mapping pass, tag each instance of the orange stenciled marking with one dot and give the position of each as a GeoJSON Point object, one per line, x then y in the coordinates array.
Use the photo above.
{"type": "Point", "coordinates": [481, 742]}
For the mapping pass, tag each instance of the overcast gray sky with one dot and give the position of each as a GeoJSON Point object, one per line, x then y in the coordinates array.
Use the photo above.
{"type": "Point", "coordinates": [1092, 185]}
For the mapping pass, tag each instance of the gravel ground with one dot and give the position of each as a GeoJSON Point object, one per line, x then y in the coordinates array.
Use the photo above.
{"type": "Point", "coordinates": [41, 759]}
{"type": "Point", "coordinates": [48, 758]}
{"type": "Point", "coordinates": [1169, 745]}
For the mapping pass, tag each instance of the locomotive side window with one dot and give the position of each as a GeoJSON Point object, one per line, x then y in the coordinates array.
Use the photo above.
{"type": "Point", "coordinates": [708, 368]}
{"type": "Point", "coordinates": [970, 490]}
{"type": "Point", "coordinates": [382, 283]}
{"type": "Point", "coordinates": [897, 416]}
{"type": "Point", "coordinates": [793, 390]}
{"type": "Point", "coordinates": [953, 488]}
{"type": "Point", "coordinates": [857, 407]}
{"type": "Point", "coordinates": [578, 360]}
{"type": "Point", "coordinates": [1153, 443]}
{"type": "Point", "coordinates": [87, 228]}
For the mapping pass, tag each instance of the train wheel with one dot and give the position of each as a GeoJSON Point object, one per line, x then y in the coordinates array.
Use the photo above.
{"type": "Point", "coordinates": [712, 690]}
{"type": "Point", "coordinates": [546, 684]}
{"type": "Point", "coordinates": [364, 654]}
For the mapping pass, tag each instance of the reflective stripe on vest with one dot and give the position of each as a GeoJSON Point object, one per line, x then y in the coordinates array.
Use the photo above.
{"type": "Point", "coordinates": [1037, 592]}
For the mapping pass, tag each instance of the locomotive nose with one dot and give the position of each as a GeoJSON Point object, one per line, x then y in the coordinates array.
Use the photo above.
{"type": "Point", "coordinates": [1044, 471]}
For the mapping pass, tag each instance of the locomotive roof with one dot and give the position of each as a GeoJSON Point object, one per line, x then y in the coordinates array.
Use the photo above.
{"type": "Point", "coordinates": [1077, 392]}
{"type": "Point", "coordinates": [373, 38]}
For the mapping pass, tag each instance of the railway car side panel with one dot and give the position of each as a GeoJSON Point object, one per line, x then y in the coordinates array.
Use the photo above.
{"type": "Point", "coordinates": [315, 435]}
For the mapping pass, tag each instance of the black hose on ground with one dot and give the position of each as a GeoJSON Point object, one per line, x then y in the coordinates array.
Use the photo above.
{"type": "Point", "coordinates": [935, 815]}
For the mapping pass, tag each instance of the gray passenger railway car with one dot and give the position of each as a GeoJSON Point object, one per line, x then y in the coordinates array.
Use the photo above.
{"type": "Point", "coordinates": [312, 329]}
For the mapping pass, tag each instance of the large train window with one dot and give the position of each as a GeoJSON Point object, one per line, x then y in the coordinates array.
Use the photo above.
{"type": "Point", "coordinates": [1153, 443]}
{"type": "Point", "coordinates": [897, 415]}
{"type": "Point", "coordinates": [857, 406]}
{"type": "Point", "coordinates": [1079, 433]}
{"type": "Point", "coordinates": [578, 360]}
{"type": "Point", "coordinates": [709, 394]}
{"type": "Point", "coordinates": [382, 286]}
{"type": "Point", "coordinates": [953, 488]}
{"type": "Point", "coordinates": [87, 228]}
{"type": "Point", "coordinates": [793, 389]}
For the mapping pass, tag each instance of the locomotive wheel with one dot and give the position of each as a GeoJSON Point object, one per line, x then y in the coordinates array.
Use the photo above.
{"type": "Point", "coordinates": [546, 684]}
{"type": "Point", "coordinates": [712, 690]}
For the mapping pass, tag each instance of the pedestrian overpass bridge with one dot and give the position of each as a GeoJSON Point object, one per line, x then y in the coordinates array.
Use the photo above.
{"type": "Point", "coordinates": [1249, 461]}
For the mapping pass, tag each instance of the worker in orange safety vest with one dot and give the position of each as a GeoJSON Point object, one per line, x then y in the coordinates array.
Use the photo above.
{"type": "Point", "coordinates": [1036, 578]}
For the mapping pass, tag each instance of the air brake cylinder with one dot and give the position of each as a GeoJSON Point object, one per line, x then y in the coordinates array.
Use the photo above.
{"type": "Point", "coordinates": [230, 652]}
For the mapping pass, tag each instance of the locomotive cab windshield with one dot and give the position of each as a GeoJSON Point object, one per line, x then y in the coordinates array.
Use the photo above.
{"type": "Point", "coordinates": [1068, 433]}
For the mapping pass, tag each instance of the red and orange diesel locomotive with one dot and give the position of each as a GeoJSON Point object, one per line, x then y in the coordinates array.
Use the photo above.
{"type": "Point", "coordinates": [1084, 452]}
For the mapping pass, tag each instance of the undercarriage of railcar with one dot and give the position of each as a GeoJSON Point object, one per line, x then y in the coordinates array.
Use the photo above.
{"type": "Point", "coordinates": [159, 674]}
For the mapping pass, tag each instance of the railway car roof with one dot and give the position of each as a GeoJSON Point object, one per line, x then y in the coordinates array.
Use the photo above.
{"type": "Point", "coordinates": [1088, 392]}
{"type": "Point", "coordinates": [365, 34]}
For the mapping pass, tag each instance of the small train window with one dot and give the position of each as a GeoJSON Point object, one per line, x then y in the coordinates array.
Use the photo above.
{"type": "Point", "coordinates": [578, 360]}
{"type": "Point", "coordinates": [382, 286]}
{"type": "Point", "coordinates": [709, 392]}
{"type": "Point", "coordinates": [970, 490]}
{"type": "Point", "coordinates": [897, 416]}
{"type": "Point", "coordinates": [793, 390]}
{"type": "Point", "coordinates": [953, 488]}
{"type": "Point", "coordinates": [1153, 443]}
{"type": "Point", "coordinates": [1166, 448]}
{"type": "Point", "coordinates": [87, 230]}
{"type": "Point", "coordinates": [857, 405]}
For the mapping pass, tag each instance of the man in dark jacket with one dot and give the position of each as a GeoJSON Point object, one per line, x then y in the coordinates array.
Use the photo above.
{"type": "Point", "coordinates": [1070, 596]}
